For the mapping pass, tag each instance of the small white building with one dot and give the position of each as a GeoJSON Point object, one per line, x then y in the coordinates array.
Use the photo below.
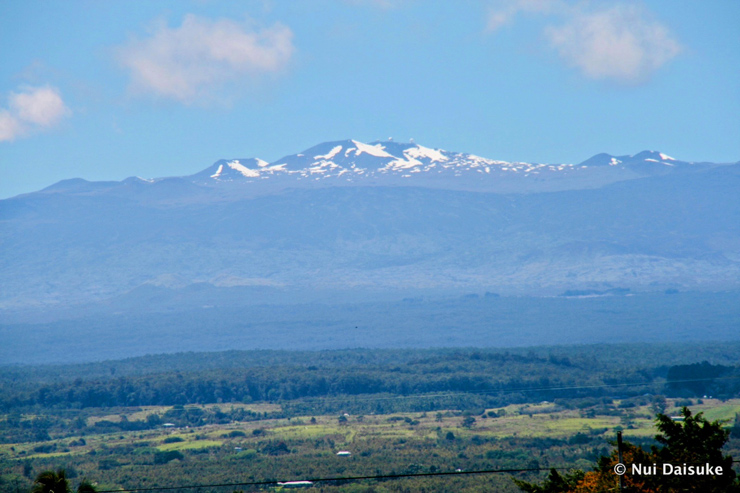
{"type": "Point", "coordinates": [344, 453]}
{"type": "Point", "coordinates": [296, 484]}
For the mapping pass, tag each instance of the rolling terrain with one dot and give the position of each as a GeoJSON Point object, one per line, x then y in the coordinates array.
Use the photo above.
{"type": "Point", "coordinates": [317, 250]}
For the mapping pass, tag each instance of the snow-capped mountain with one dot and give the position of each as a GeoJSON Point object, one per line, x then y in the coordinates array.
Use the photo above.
{"type": "Point", "coordinates": [349, 222]}
{"type": "Point", "coordinates": [231, 170]}
{"type": "Point", "coordinates": [346, 214]}
{"type": "Point", "coordinates": [644, 158]}
{"type": "Point", "coordinates": [352, 162]}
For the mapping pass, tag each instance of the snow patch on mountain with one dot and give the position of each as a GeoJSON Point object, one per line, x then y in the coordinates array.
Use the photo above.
{"type": "Point", "coordinates": [249, 173]}
{"type": "Point", "coordinates": [425, 152]}
{"type": "Point", "coordinates": [218, 171]}
{"type": "Point", "coordinates": [399, 164]}
{"type": "Point", "coordinates": [354, 161]}
{"type": "Point", "coordinates": [336, 150]}
{"type": "Point", "coordinates": [376, 150]}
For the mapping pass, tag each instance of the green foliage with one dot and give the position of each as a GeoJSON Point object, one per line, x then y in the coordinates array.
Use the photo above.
{"type": "Point", "coordinates": [275, 448]}
{"type": "Point", "coordinates": [165, 457]}
{"type": "Point", "coordinates": [700, 379]}
{"type": "Point", "coordinates": [695, 441]}
{"type": "Point", "coordinates": [456, 387]}
{"type": "Point", "coordinates": [555, 483]}
{"type": "Point", "coordinates": [692, 441]}
{"type": "Point", "coordinates": [86, 487]}
{"type": "Point", "coordinates": [107, 464]}
{"type": "Point", "coordinates": [51, 482]}
{"type": "Point", "coordinates": [735, 430]}
{"type": "Point", "coordinates": [469, 379]}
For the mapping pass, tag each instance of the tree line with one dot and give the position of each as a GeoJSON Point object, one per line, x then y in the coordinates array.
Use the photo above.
{"type": "Point", "coordinates": [506, 377]}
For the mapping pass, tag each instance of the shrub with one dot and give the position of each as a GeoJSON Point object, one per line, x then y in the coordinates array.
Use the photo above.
{"type": "Point", "coordinates": [165, 457]}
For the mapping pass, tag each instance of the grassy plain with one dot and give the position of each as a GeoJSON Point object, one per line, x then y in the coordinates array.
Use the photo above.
{"type": "Point", "coordinates": [517, 436]}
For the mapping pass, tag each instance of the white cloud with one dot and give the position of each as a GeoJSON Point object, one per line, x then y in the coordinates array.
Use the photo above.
{"type": "Point", "coordinates": [42, 106]}
{"type": "Point", "coordinates": [32, 109]}
{"type": "Point", "coordinates": [505, 11]}
{"type": "Point", "coordinates": [191, 61]}
{"type": "Point", "coordinates": [9, 126]}
{"type": "Point", "coordinates": [618, 43]}
{"type": "Point", "coordinates": [498, 18]}
{"type": "Point", "coordinates": [383, 4]}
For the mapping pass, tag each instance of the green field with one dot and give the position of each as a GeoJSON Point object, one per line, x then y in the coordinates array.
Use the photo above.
{"type": "Point", "coordinates": [303, 447]}
{"type": "Point", "coordinates": [175, 421]}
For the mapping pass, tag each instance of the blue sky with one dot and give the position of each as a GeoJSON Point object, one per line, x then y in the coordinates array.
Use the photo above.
{"type": "Point", "coordinates": [107, 90]}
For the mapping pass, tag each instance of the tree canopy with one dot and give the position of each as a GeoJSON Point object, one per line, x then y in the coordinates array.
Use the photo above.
{"type": "Point", "coordinates": [692, 441]}
{"type": "Point", "coordinates": [56, 482]}
{"type": "Point", "coordinates": [51, 482]}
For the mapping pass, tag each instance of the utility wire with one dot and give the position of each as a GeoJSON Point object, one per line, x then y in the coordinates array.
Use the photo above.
{"type": "Point", "coordinates": [344, 478]}
{"type": "Point", "coordinates": [450, 473]}
{"type": "Point", "coordinates": [348, 478]}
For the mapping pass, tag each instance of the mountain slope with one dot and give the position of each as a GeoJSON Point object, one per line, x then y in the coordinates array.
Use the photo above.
{"type": "Point", "coordinates": [78, 242]}
{"type": "Point", "coordinates": [350, 162]}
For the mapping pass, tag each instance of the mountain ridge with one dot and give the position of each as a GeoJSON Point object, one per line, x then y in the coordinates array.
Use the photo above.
{"type": "Point", "coordinates": [389, 163]}
{"type": "Point", "coordinates": [668, 226]}
{"type": "Point", "coordinates": [353, 162]}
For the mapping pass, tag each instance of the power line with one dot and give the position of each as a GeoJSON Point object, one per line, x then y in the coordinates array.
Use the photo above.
{"type": "Point", "coordinates": [349, 478]}
{"type": "Point", "coordinates": [344, 478]}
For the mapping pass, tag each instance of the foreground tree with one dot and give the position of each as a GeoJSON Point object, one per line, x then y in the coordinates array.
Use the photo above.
{"type": "Point", "coordinates": [86, 487]}
{"type": "Point", "coordinates": [51, 482]}
{"type": "Point", "coordinates": [693, 442]}
{"type": "Point", "coordinates": [555, 483]}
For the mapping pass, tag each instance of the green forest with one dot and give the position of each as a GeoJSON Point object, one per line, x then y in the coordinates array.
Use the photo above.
{"type": "Point", "coordinates": [432, 416]}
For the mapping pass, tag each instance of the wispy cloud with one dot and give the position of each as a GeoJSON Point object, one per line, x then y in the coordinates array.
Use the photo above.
{"type": "Point", "coordinates": [607, 41]}
{"type": "Point", "coordinates": [190, 62]}
{"type": "Point", "coordinates": [505, 11]}
{"type": "Point", "coordinates": [620, 43]}
{"type": "Point", "coordinates": [30, 110]}
{"type": "Point", "coordinates": [383, 4]}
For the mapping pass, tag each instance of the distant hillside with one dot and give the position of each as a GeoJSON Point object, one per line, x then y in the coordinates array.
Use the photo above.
{"type": "Point", "coordinates": [80, 242]}
{"type": "Point", "coordinates": [158, 324]}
